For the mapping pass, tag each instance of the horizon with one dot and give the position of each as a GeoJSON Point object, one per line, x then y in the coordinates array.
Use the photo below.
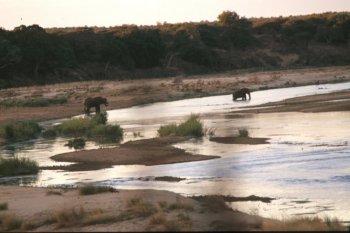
{"type": "Point", "coordinates": [113, 13]}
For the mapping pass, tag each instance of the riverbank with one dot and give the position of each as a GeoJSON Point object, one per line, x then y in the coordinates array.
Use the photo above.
{"type": "Point", "coordinates": [47, 210]}
{"type": "Point", "coordinates": [336, 101]}
{"type": "Point", "coordinates": [128, 93]}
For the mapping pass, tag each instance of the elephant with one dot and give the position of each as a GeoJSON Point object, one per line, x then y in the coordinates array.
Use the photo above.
{"type": "Point", "coordinates": [94, 102]}
{"type": "Point", "coordinates": [241, 93]}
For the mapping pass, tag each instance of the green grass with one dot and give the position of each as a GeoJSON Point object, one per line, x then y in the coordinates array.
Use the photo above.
{"type": "Point", "coordinates": [18, 166]}
{"type": "Point", "coordinates": [39, 102]}
{"type": "Point", "coordinates": [191, 127]}
{"type": "Point", "coordinates": [91, 189]}
{"type": "Point", "coordinates": [94, 128]}
{"type": "Point", "coordinates": [21, 131]}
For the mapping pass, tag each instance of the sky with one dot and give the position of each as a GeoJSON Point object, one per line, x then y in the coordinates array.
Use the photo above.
{"type": "Point", "coordinates": [74, 13]}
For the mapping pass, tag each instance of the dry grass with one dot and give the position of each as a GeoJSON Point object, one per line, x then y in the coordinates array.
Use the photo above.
{"type": "Point", "coordinates": [181, 205]}
{"type": "Point", "coordinates": [140, 208]}
{"type": "Point", "coordinates": [91, 189]}
{"type": "Point", "coordinates": [304, 224]}
{"type": "Point", "coordinates": [53, 192]}
{"type": "Point", "coordinates": [9, 222]}
{"type": "Point", "coordinates": [180, 223]}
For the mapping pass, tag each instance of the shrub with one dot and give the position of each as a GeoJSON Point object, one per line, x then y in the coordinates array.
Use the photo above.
{"type": "Point", "coordinates": [18, 166]}
{"type": "Point", "coordinates": [106, 132]}
{"type": "Point", "coordinates": [91, 189]}
{"type": "Point", "coordinates": [3, 206]}
{"type": "Point", "coordinates": [167, 130]}
{"type": "Point", "coordinates": [76, 143]}
{"type": "Point", "coordinates": [191, 127]}
{"type": "Point", "coordinates": [23, 130]}
{"type": "Point", "coordinates": [75, 127]}
{"type": "Point", "coordinates": [243, 133]}
{"type": "Point", "coordinates": [100, 118]}
{"type": "Point", "coordinates": [94, 128]}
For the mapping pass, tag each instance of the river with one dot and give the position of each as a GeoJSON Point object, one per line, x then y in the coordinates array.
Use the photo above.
{"type": "Point", "coordinates": [305, 166]}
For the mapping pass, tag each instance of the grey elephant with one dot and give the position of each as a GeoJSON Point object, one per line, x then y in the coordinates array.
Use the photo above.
{"type": "Point", "coordinates": [94, 103]}
{"type": "Point", "coordinates": [241, 93]}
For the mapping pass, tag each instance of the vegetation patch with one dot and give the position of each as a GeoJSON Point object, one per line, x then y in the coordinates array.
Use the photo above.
{"type": "Point", "coordinates": [92, 189]}
{"type": "Point", "coordinates": [304, 224]}
{"type": "Point", "coordinates": [21, 131]}
{"type": "Point", "coordinates": [76, 143]}
{"type": "Point", "coordinates": [3, 206]}
{"type": "Point", "coordinates": [39, 102]}
{"type": "Point", "coordinates": [18, 166]}
{"type": "Point", "coordinates": [94, 128]}
{"type": "Point", "coordinates": [9, 222]}
{"type": "Point", "coordinates": [191, 127]}
{"type": "Point", "coordinates": [137, 207]}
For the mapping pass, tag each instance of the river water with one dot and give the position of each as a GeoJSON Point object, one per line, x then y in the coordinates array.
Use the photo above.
{"type": "Point", "coordinates": [305, 166]}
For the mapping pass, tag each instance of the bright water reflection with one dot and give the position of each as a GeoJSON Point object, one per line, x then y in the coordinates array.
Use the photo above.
{"type": "Point", "coordinates": [305, 166]}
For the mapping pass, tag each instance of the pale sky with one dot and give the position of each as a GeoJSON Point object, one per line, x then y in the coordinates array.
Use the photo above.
{"type": "Point", "coordinates": [69, 13]}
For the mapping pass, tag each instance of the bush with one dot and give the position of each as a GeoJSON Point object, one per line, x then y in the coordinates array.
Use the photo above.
{"type": "Point", "coordinates": [91, 189]}
{"type": "Point", "coordinates": [76, 127]}
{"type": "Point", "coordinates": [106, 132]}
{"type": "Point", "coordinates": [94, 128]}
{"type": "Point", "coordinates": [18, 166]}
{"type": "Point", "coordinates": [23, 130]}
{"type": "Point", "coordinates": [100, 118]}
{"type": "Point", "coordinates": [191, 127]}
{"type": "Point", "coordinates": [243, 133]}
{"type": "Point", "coordinates": [76, 143]}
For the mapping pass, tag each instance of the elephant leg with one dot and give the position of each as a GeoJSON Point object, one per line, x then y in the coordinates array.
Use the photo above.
{"type": "Point", "coordinates": [98, 109]}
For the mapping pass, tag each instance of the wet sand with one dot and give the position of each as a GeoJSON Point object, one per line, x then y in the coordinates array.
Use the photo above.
{"type": "Point", "coordinates": [147, 152]}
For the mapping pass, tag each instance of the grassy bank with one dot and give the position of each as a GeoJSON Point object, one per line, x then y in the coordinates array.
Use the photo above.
{"type": "Point", "coordinates": [18, 166]}
{"type": "Point", "coordinates": [94, 128]}
{"type": "Point", "coordinates": [191, 127]}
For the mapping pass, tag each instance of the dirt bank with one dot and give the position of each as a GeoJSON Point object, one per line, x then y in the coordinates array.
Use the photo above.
{"type": "Point", "coordinates": [122, 94]}
{"type": "Point", "coordinates": [39, 209]}
{"type": "Point", "coordinates": [148, 152]}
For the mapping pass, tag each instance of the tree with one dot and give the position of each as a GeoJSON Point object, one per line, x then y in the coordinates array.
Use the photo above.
{"type": "Point", "coordinates": [227, 18]}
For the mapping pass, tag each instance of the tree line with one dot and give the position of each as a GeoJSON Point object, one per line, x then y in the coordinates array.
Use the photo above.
{"type": "Point", "coordinates": [32, 55]}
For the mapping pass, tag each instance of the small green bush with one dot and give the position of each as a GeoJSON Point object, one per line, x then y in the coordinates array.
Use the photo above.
{"type": "Point", "coordinates": [91, 189]}
{"type": "Point", "coordinates": [191, 127]}
{"type": "Point", "coordinates": [167, 130]}
{"type": "Point", "coordinates": [76, 143]}
{"type": "Point", "coordinates": [106, 132]}
{"type": "Point", "coordinates": [3, 206]}
{"type": "Point", "coordinates": [23, 130]}
{"type": "Point", "coordinates": [243, 133]}
{"type": "Point", "coordinates": [18, 166]}
{"type": "Point", "coordinates": [100, 118]}
{"type": "Point", "coordinates": [76, 127]}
